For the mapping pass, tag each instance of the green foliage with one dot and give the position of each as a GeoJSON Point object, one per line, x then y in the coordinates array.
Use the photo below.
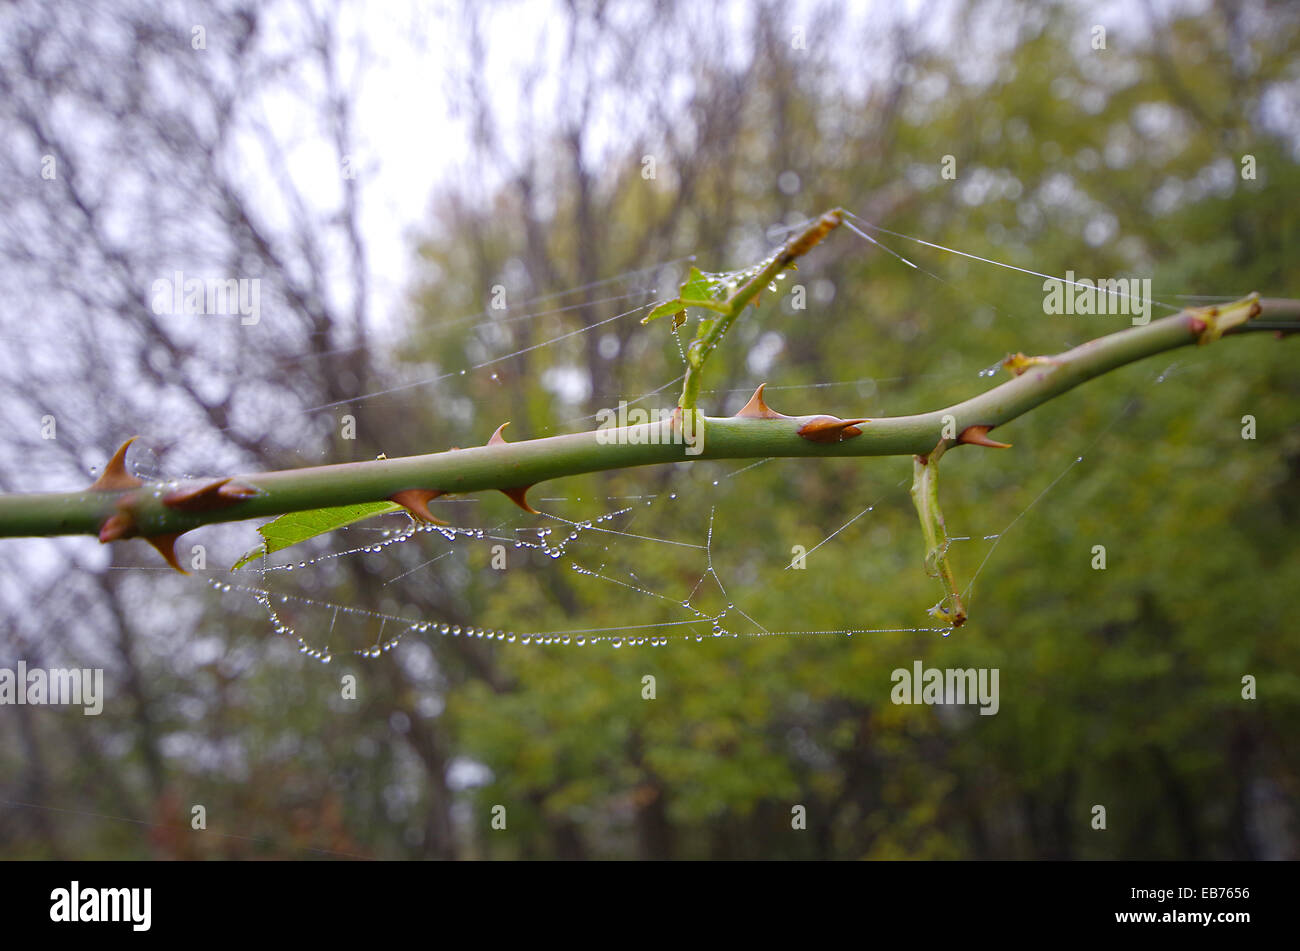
{"type": "Point", "coordinates": [295, 527]}
{"type": "Point", "coordinates": [696, 291]}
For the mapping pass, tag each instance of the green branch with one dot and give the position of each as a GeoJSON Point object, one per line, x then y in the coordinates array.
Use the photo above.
{"type": "Point", "coordinates": [119, 506]}
{"type": "Point", "coordinates": [925, 497]}
{"type": "Point", "coordinates": [728, 295]}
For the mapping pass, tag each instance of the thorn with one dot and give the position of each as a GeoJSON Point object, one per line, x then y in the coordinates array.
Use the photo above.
{"type": "Point", "coordinates": [519, 497]}
{"type": "Point", "coordinates": [1211, 323]}
{"type": "Point", "coordinates": [756, 408]}
{"type": "Point", "coordinates": [830, 429]}
{"type": "Point", "coordinates": [115, 477]}
{"type": "Point", "coordinates": [979, 436]}
{"type": "Point", "coordinates": [1018, 363]}
{"type": "Point", "coordinates": [416, 501]}
{"type": "Point", "coordinates": [519, 494]}
{"type": "Point", "coordinates": [237, 490]}
{"type": "Point", "coordinates": [211, 495]}
{"type": "Point", "coordinates": [166, 546]}
{"type": "Point", "coordinates": [119, 525]}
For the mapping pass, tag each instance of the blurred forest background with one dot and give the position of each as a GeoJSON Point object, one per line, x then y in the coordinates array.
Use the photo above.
{"type": "Point", "coordinates": [1119, 687]}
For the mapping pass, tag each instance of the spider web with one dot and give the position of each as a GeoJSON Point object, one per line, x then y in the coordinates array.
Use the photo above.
{"type": "Point", "coordinates": [601, 547]}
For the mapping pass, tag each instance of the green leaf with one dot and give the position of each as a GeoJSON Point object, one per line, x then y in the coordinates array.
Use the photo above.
{"type": "Point", "coordinates": [663, 310]}
{"type": "Point", "coordinates": [297, 527]}
{"type": "Point", "coordinates": [699, 291]}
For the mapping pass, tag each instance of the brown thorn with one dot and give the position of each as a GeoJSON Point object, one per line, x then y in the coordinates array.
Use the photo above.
{"type": "Point", "coordinates": [115, 477]}
{"type": "Point", "coordinates": [830, 429]}
{"type": "Point", "coordinates": [757, 408]}
{"type": "Point", "coordinates": [519, 495]}
{"type": "Point", "coordinates": [166, 546]}
{"type": "Point", "coordinates": [497, 438]}
{"type": "Point", "coordinates": [979, 436]}
{"type": "Point", "coordinates": [211, 495]}
{"type": "Point", "coordinates": [118, 525]}
{"type": "Point", "coordinates": [237, 490]}
{"type": "Point", "coordinates": [416, 501]}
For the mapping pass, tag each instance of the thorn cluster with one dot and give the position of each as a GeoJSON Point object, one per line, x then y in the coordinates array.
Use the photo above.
{"type": "Point", "coordinates": [204, 497]}
{"type": "Point", "coordinates": [815, 429]}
